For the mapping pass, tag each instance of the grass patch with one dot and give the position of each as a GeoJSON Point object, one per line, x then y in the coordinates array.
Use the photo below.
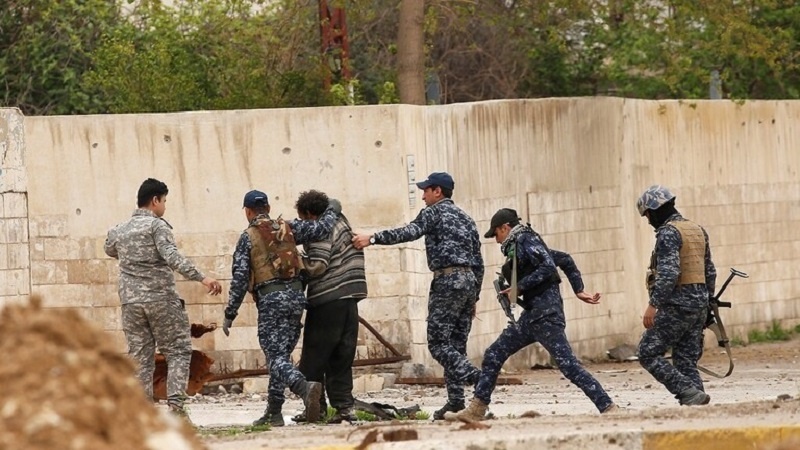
{"type": "Point", "coordinates": [771, 334]}
{"type": "Point", "coordinates": [365, 416]}
{"type": "Point", "coordinates": [736, 341]}
{"type": "Point", "coordinates": [422, 415]}
{"type": "Point", "coordinates": [233, 431]}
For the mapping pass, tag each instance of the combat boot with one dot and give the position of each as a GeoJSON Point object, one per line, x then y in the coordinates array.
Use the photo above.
{"type": "Point", "coordinates": [448, 407]}
{"type": "Point", "coordinates": [309, 392]}
{"type": "Point", "coordinates": [343, 415]}
{"type": "Point", "coordinates": [179, 411]}
{"type": "Point", "coordinates": [475, 412]}
{"type": "Point", "coordinates": [272, 416]}
{"type": "Point", "coordinates": [693, 397]}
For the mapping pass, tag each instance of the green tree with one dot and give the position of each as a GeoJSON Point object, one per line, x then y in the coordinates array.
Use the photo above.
{"type": "Point", "coordinates": [211, 54]}
{"type": "Point", "coordinates": [45, 49]}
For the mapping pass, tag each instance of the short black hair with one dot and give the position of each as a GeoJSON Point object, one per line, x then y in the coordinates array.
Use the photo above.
{"type": "Point", "coordinates": [312, 202]}
{"type": "Point", "coordinates": [150, 188]}
{"type": "Point", "coordinates": [260, 210]}
{"type": "Point", "coordinates": [446, 193]}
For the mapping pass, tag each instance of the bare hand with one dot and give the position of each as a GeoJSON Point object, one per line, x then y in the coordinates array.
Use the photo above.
{"type": "Point", "coordinates": [590, 299]}
{"type": "Point", "coordinates": [649, 317]}
{"type": "Point", "coordinates": [361, 240]}
{"type": "Point", "coordinates": [214, 288]}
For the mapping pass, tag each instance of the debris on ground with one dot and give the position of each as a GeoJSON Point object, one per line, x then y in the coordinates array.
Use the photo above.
{"type": "Point", "coordinates": [624, 352]}
{"type": "Point", "coordinates": [67, 386]}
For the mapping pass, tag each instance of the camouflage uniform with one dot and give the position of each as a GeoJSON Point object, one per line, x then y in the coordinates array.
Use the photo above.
{"type": "Point", "coordinates": [152, 313]}
{"type": "Point", "coordinates": [280, 311]}
{"type": "Point", "coordinates": [544, 322]}
{"type": "Point", "coordinates": [680, 316]}
{"type": "Point", "coordinates": [451, 241]}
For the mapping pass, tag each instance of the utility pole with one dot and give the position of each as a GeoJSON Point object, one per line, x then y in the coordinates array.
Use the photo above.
{"type": "Point", "coordinates": [335, 48]}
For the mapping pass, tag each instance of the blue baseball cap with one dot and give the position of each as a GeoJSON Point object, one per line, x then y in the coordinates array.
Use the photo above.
{"type": "Point", "coordinates": [441, 179]}
{"type": "Point", "coordinates": [255, 199]}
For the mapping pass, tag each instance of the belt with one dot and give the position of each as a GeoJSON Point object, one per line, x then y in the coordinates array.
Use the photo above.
{"type": "Point", "coordinates": [449, 270]}
{"type": "Point", "coordinates": [281, 285]}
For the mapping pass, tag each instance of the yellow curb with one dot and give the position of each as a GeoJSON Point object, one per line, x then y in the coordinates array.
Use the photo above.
{"type": "Point", "coordinates": [720, 438]}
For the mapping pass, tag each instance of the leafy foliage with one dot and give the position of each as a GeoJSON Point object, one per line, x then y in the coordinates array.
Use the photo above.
{"type": "Point", "coordinates": [96, 56]}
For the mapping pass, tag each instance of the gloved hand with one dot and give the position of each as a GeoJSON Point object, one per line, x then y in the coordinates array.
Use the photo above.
{"type": "Point", "coordinates": [335, 205]}
{"type": "Point", "coordinates": [226, 325]}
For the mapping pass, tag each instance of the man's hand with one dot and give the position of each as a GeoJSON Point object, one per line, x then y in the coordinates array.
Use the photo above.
{"type": "Point", "coordinates": [214, 288]}
{"type": "Point", "coordinates": [361, 240]}
{"type": "Point", "coordinates": [590, 299]}
{"type": "Point", "coordinates": [226, 326]}
{"type": "Point", "coordinates": [335, 205]}
{"type": "Point", "coordinates": [649, 316]}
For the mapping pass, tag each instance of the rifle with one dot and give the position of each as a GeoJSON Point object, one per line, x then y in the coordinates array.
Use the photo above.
{"type": "Point", "coordinates": [714, 323]}
{"type": "Point", "coordinates": [505, 303]}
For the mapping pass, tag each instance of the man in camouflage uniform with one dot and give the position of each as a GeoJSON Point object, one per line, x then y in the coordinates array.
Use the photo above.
{"type": "Point", "coordinates": [542, 321]}
{"type": "Point", "coordinates": [680, 279]}
{"type": "Point", "coordinates": [453, 248]}
{"type": "Point", "coordinates": [152, 312]}
{"type": "Point", "coordinates": [280, 303]}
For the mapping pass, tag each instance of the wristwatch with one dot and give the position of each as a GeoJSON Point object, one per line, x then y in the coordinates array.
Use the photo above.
{"type": "Point", "coordinates": [372, 240]}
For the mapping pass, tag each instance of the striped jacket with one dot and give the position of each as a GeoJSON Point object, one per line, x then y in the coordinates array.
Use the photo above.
{"type": "Point", "coordinates": [335, 266]}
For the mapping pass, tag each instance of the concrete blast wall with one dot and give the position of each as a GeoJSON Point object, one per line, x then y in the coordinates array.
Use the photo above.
{"type": "Point", "coordinates": [573, 167]}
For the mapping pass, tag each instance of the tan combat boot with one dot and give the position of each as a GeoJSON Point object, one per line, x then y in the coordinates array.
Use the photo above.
{"type": "Point", "coordinates": [475, 412]}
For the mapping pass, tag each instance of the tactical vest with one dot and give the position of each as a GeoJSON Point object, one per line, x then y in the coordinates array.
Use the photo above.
{"type": "Point", "coordinates": [692, 255]}
{"type": "Point", "coordinates": [273, 254]}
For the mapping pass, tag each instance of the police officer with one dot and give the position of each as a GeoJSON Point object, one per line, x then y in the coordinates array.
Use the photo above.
{"type": "Point", "coordinates": [279, 299]}
{"type": "Point", "coordinates": [542, 321]}
{"type": "Point", "coordinates": [680, 278]}
{"type": "Point", "coordinates": [453, 249]}
{"type": "Point", "coordinates": [152, 312]}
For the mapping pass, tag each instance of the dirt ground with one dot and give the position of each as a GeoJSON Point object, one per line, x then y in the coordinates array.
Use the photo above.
{"type": "Point", "coordinates": [65, 386]}
{"type": "Point", "coordinates": [748, 397]}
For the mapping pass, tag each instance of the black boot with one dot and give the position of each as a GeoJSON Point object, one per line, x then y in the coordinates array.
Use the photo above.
{"type": "Point", "coordinates": [272, 416]}
{"type": "Point", "coordinates": [343, 415]}
{"type": "Point", "coordinates": [310, 392]}
{"type": "Point", "coordinates": [448, 407]}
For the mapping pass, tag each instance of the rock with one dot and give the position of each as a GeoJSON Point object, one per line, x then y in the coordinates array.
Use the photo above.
{"type": "Point", "coordinates": [255, 385]}
{"type": "Point", "coordinates": [221, 389]}
{"type": "Point", "coordinates": [624, 352]}
{"type": "Point", "coordinates": [414, 370]}
{"type": "Point", "coordinates": [236, 389]}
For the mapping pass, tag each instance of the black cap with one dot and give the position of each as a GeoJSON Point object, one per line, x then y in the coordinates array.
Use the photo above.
{"type": "Point", "coordinates": [254, 199]}
{"type": "Point", "coordinates": [441, 179]}
{"type": "Point", "coordinates": [501, 217]}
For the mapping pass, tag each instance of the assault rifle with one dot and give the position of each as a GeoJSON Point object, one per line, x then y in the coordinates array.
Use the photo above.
{"type": "Point", "coordinates": [714, 323]}
{"type": "Point", "coordinates": [499, 286]}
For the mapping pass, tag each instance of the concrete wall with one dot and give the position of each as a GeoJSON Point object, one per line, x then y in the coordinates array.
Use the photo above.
{"type": "Point", "coordinates": [573, 167]}
{"type": "Point", "coordinates": [15, 279]}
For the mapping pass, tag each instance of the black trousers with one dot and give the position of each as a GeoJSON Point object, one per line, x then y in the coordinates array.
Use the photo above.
{"type": "Point", "coordinates": [330, 336]}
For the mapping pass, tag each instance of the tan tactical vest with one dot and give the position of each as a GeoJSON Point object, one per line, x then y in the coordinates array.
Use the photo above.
{"type": "Point", "coordinates": [274, 252]}
{"type": "Point", "coordinates": [692, 254]}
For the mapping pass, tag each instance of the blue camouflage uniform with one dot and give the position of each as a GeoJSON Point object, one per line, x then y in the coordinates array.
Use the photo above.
{"type": "Point", "coordinates": [544, 322]}
{"type": "Point", "coordinates": [279, 311]}
{"type": "Point", "coordinates": [680, 316]}
{"type": "Point", "coordinates": [453, 249]}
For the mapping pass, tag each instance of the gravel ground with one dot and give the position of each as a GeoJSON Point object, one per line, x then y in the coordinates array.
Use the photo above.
{"type": "Point", "coordinates": [748, 397]}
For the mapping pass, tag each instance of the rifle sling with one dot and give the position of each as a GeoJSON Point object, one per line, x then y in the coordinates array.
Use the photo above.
{"type": "Point", "coordinates": [513, 293]}
{"type": "Point", "coordinates": [722, 338]}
